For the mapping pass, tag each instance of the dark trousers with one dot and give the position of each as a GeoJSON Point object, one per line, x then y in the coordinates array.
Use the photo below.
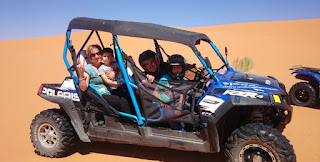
{"type": "Point", "coordinates": [118, 102]}
{"type": "Point", "coordinates": [123, 92]}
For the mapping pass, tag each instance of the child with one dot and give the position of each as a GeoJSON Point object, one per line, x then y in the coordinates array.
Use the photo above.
{"type": "Point", "coordinates": [109, 71]}
{"type": "Point", "coordinates": [176, 72]}
{"type": "Point", "coordinates": [109, 68]}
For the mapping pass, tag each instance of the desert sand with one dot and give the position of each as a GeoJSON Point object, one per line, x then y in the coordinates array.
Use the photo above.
{"type": "Point", "coordinates": [274, 46]}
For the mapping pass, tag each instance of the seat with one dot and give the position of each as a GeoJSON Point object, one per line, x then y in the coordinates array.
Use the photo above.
{"type": "Point", "coordinates": [84, 56]}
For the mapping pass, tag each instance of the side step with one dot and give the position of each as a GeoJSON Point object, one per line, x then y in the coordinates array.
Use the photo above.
{"type": "Point", "coordinates": [130, 133]}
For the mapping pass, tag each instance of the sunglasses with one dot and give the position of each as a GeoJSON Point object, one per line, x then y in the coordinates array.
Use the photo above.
{"type": "Point", "coordinates": [94, 54]}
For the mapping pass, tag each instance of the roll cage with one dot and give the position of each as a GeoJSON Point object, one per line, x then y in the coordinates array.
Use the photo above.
{"type": "Point", "coordinates": [141, 30]}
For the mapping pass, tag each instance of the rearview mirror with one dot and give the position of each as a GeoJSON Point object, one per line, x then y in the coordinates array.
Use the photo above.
{"type": "Point", "coordinates": [226, 52]}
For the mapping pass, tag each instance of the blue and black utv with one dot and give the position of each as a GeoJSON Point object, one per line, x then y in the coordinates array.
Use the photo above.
{"type": "Point", "coordinates": [305, 93]}
{"type": "Point", "coordinates": [237, 113]}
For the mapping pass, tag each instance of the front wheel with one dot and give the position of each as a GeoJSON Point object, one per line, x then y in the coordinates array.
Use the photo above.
{"type": "Point", "coordinates": [257, 142]}
{"type": "Point", "coordinates": [52, 134]}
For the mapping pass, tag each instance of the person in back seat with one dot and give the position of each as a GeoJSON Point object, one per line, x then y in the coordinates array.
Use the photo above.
{"type": "Point", "coordinates": [176, 72]}
{"type": "Point", "coordinates": [150, 62]}
{"type": "Point", "coordinates": [89, 75]}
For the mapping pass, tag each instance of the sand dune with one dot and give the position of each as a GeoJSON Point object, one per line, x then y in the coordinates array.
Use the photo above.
{"type": "Point", "coordinates": [274, 46]}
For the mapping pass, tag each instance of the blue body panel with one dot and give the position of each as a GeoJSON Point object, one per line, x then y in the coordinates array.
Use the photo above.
{"type": "Point", "coordinates": [250, 85]}
{"type": "Point", "coordinates": [312, 74]}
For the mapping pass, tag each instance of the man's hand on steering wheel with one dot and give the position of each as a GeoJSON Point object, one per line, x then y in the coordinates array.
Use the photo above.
{"type": "Point", "coordinates": [199, 75]}
{"type": "Point", "coordinates": [199, 67]}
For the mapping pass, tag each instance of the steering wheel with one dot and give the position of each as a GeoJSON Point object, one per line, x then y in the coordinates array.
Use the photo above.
{"type": "Point", "coordinates": [199, 75]}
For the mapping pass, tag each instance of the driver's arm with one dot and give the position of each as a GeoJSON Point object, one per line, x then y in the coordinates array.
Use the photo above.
{"type": "Point", "coordinates": [198, 67]}
{"type": "Point", "coordinates": [150, 78]}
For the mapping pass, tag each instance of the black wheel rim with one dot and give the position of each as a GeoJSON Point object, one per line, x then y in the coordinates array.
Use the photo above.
{"type": "Point", "coordinates": [302, 95]}
{"type": "Point", "coordinates": [256, 153]}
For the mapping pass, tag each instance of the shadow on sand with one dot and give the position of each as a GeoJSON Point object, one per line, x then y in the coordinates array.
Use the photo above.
{"type": "Point", "coordinates": [317, 107]}
{"type": "Point", "coordinates": [148, 153]}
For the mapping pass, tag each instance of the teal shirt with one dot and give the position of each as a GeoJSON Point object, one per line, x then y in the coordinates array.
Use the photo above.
{"type": "Point", "coordinates": [96, 81]}
{"type": "Point", "coordinates": [164, 94]}
{"type": "Point", "coordinates": [164, 80]}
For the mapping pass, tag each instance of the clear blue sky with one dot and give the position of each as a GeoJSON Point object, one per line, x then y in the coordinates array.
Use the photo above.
{"type": "Point", "coordinates": [39, 18]}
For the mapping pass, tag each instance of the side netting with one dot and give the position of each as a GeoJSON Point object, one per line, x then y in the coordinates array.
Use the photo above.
{"type": "Point", "coordinates": [164, 103]}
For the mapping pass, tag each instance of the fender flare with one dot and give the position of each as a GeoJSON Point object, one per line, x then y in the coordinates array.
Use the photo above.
{"type": "Point", "coordinates": [229, 104]}
{"type": "Point", "coordinates": [302, 74]}
{"type": "Point", "coordinates": [69, 107]}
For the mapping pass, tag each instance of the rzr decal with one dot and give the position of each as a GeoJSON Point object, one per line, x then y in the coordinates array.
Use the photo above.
{"type": "Point", "coordinates": [242, 93]}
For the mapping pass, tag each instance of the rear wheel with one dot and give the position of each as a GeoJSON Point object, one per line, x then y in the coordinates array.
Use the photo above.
{"type": "Point", "coordinates": [257, 142]}
{"type": "Point", "coordinates": [303, 94]}
{"type": "Point", "coordinates": [52, 134]}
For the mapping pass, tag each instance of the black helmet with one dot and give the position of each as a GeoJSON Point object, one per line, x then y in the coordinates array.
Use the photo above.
{"type": "Point", "coordinates": [147, 55]}
{"type": "Point", "coordinates": [176, 59]}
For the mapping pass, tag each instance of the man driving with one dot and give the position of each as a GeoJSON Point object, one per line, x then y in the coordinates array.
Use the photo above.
{"type": "Point", "coordinates": [150, 62]}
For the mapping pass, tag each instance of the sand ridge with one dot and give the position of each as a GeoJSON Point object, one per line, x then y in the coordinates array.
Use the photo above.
{"type": "Point", "coordinates": [274, 46]}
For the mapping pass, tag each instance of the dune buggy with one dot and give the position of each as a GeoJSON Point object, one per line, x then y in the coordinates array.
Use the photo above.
{"type": "Point", "coordinates": [237, 113]}
{"type": "Point", "coordinates": [305, 93]}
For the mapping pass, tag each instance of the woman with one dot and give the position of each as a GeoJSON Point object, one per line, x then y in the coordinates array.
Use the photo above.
{"type": "Point", "coordinates": [89, 74]}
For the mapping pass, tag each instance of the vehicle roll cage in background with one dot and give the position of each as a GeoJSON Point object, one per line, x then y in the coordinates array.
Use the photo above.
{"type": "Point", "coordinates": [130, 85]}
